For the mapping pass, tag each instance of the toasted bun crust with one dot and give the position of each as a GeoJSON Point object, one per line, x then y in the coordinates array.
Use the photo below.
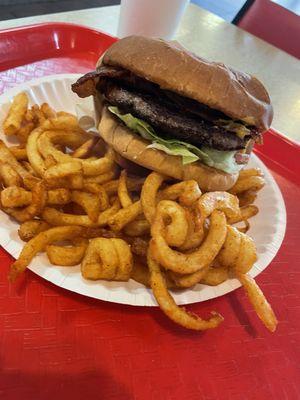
{"type": "Point", "coordinates": [134, 148]}
{"type": "Point", "coordinates": [171, 66]}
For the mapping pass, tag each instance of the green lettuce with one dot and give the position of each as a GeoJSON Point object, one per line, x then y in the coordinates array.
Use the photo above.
{"type": "Point", "coordinates": [223, 160]}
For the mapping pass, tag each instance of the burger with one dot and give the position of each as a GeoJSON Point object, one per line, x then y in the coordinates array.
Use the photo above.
{"type": "Point", "coordinates": [162, 107]}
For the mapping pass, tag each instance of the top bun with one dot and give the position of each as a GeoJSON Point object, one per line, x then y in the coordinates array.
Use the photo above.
{"type": "Point", "coordinates": [238, 95]}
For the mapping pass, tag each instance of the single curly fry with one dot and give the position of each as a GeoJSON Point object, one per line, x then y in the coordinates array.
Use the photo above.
{"type": "Point", "coordinates": [222, 201]}
{"type": "Point", "coordinates": [253, 183]}
{"type": "Point", "coordinates": [215, 276]}
{"type": "Point", "coordinates": [67, 256]}
{"type": "Point", "coordinates": [138, 227]}
{"type": "Point", "coordinates": [124, 216]}
{"type": "Point", "coordinates": [187, 192]}
{"type": "Point", "coordinates": [140, 273]}
{"type": "Point", "coordinates": [34, 157]}
{"type": "Point", "coordinates": [15, 196]}
{"type": "Point", "coordinates": [85, 149]}
{"type": "Point", "coordinates": [109, 212]}
{"type": "Point", "coordinates": [231, 247]}
{"type": "Point", "coordinates": [19, 152]}
{"type": "Point", "coordinates": [169, 307]}
{"type": "Point", "coordinates": [246, 173]}
{"type": "Point", "coordinates": [189, 280]}
{"type": "Point", "coordinates": [16, 113]}
{"type": "Point", "coordinates": [59, 218]}
{"type": "Point", "coordinates": [123, 192]}
{"type": "Point", "coordinates": [259, 302]}
{"type": "Point", "coordinates": [247, 255]}
{"type": "Point", "coordinates": [108, 259]}
{"type": "Point", "coordinates": [149, 194]}
{"type": "Point", "coordinates": [195, 234]}
{"type": "Point", "coordinates": [35, 208]}
{"type": "Point", "coordinates": [176, 230]}
{"type": "Point", "coordinates": [39, 243]}
{"type": "Point", "coordinates": [100, 192]}
{"type": "Point", "coordinates": [134, 184]}
{"type": "Point", "coordinates": [246, 198]}
{"type": "Point", "coordinates": [89, 202]}
{"type": "Point", "coordinates": [29, 229]}
{"type": "Point", "coordinates": [46, 146]}
{"type": "Point", "coordinates": [8, 176]}
{"type": "Point", "coordinates": [246, 213]}
{"type": "Point", "coordinates": [187, 263]}
{"type": "Point", "coordinates": [238, 251]}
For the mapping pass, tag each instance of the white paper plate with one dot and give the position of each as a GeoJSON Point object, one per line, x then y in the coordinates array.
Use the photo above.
{"type": "Point", "coordinates": [267, 228]}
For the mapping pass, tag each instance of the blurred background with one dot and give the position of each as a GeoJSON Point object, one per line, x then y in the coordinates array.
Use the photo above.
{"type": "Point", "coordinates": [226, 9]}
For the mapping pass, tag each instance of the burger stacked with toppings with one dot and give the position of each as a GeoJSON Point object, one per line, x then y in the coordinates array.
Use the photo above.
{"type": "Point", "coordinates": [163, 108]}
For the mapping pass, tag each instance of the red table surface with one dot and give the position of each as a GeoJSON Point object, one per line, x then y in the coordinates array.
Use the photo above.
{"type": "Point", "coordinates": [58, 344]}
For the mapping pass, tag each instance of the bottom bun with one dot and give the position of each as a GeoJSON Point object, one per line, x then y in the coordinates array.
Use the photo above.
{"type": "Point", "coordinates": [134, 148]}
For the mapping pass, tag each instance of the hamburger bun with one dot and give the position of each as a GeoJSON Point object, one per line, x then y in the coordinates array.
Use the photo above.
{"type": "Point", "coordinates": [168, 64]}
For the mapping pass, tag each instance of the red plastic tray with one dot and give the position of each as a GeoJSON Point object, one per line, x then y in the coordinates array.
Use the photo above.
{"type": "Point", "coordinates": [57, 344]}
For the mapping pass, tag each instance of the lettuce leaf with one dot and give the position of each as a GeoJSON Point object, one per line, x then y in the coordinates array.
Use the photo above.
{"type": "Point", "coordinates": [223, 160]}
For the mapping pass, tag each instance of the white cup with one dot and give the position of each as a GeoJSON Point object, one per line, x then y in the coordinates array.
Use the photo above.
{"type": "Point", "coordinates": [156, 18]}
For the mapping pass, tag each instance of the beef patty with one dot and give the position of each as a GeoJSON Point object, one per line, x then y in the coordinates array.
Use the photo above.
{"type": "Point", "coordinates": [171, 115]}
{"type": "Point", "coordinates": [170, 124]}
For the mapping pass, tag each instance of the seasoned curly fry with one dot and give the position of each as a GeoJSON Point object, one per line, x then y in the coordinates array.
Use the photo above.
{"type": "Point", "coordinates": [187, 192]}
{"type": "Point", "coordinates": [231, 247]}
{"type": "Point", "coordinates": [89, 202]}
{"type": "Point", "coordinates": [107, 259]}
{"type": "Point", "coordinates": [67, 256]}
{"type": "Point", "coordinates": [133, 185]}
{"type": "Point", "coordinates": [8, 176]}
{"type": "Point", "coordinates": [253, 183]}
{"type": "Point", "coordinates": [169, 307]}
{"type": "Point", "coordinates": [8, 158]}
{"type": "Point", "coordinates": [222, 201]}
{"type": "Point", "coordinates": [15, 196]}
{"type": "Point", "coordinates": [109, 212]}
{"type": "Point", "coordinates": [247, 198]}
{"type": "Point", "coordinates": [246, 213]}
{"type": "Point", "coordinates": [215, 276]}
{"type": "Point", "coordinates": [177, 228]}
{"type": "Point", "coordinates": [38, 202]}
{"type": "Point", "coordinates": [47, 111]}
{"type": "Point", "coordinates": [19, 152]}
{"type": "Point", "coordinates": [138, 227]}
{"type": "Point", "coordinates": [187, 263]}
{"type": "Point", "coordinates": [149, 193]}
{"type": "Point", "coordinates": [247, 254]}
{"type": "Point", "coordinates": [189, 280]}
{"type": "Point", "coordinates": [102, 178]}
{"type": "Point", "coordinates": [100, 192]}
{"type": "Point", "coordinates": [24, 132]}
{"type": "Point", "coordinates": [39, 243]}
{"type": "Point", "coordinates": [30, 229]}
{"type": "Point", "coordinates": [140, 273]}
{"type": "Point", "coordinates": [62, 171]}
{"type": "Point", "coordinates": [246, 173]}
{"type": "Point", "coordinates": [195, 234]}
{"type": "Point", "coordinates": [258, 301]}
{"type": "Point", "coordinates": [124, 216]}
{"type": "Point", "coordinates": [85, 149]}
{"type": "Point", "coordinates": [36, 160]}
{"type": "Point", "coordinates": [123, 192]}
{"type": "Point", "coordinates": [46, 147]}
{"type": "Point", "coordinates": [59, 218]}
{"type": "Point", "coordinates": [16, 113]}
